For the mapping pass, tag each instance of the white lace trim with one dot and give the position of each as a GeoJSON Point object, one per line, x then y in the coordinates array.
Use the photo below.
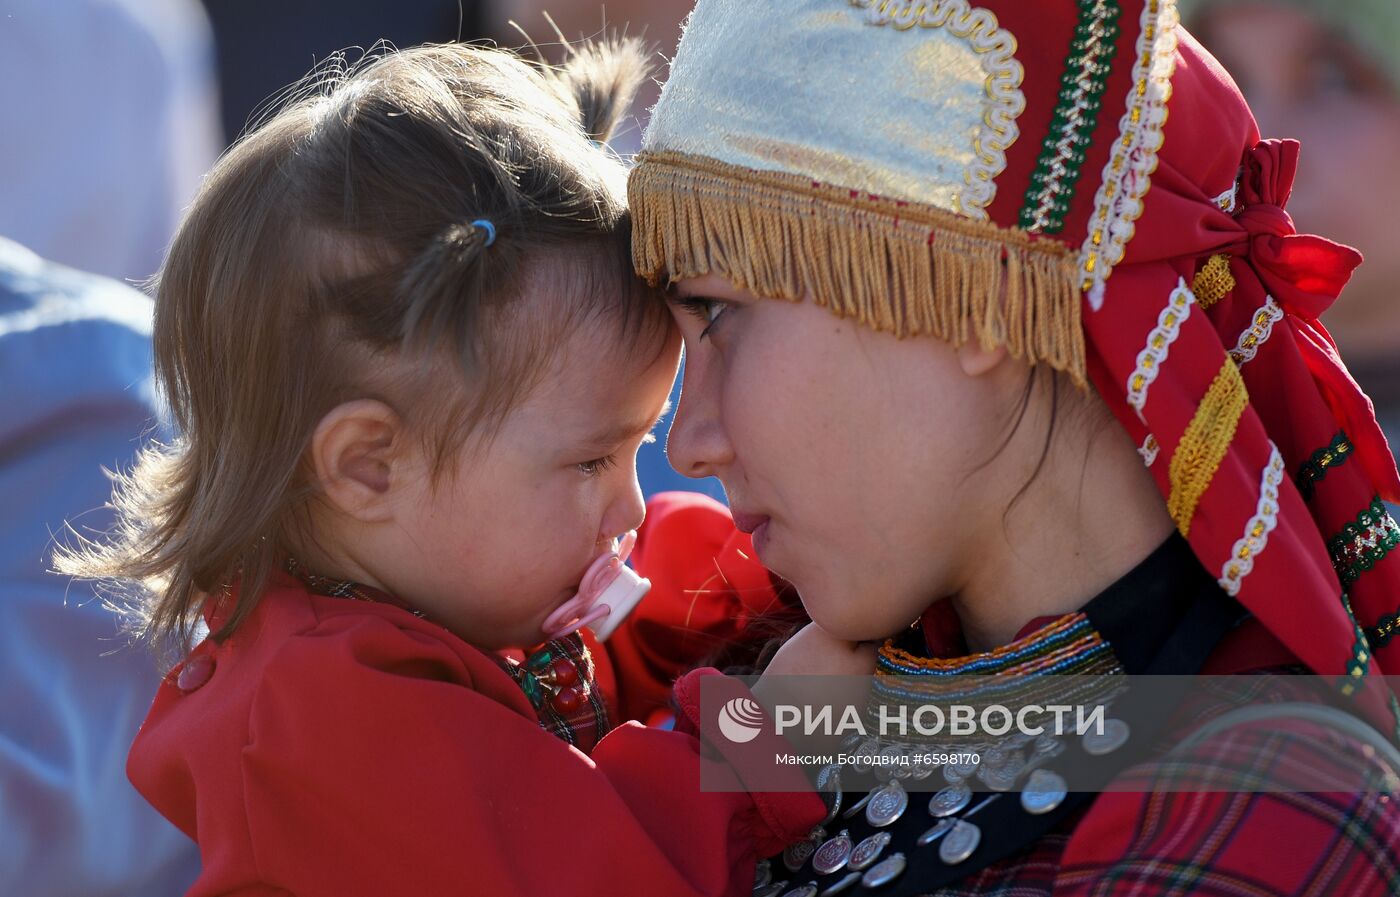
{"type": "Point", "coordinates": [1149, 450]}
{"type": "Point", "coordinates": [1259, 330]}
{"type": "Point", "coordinates": [1256, 532]}
{"type": "Point", "coordinates": [996, 48]}
{"type": "Point", "coordinates": [1159, 341]}
{"type": "Point", "coordinates": [1128, 173]}
{"type": "Point", "coordinates": [1226, 200]}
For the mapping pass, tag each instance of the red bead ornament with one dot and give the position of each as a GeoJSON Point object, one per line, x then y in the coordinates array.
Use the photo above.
{"type": "Point", "coordinates": [562, 672]}
{"type": "Point", "coordinates": [568, 699]}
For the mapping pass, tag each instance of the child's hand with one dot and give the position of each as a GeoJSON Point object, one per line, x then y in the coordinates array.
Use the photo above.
{"type": "Point", "coordinates": [812, 652]}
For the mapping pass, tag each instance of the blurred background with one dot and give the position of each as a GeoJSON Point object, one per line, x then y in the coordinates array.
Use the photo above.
{"type": "Point", "coordinates": [111, 111]}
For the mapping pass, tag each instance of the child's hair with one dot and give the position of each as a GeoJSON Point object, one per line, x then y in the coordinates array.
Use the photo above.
{"type": "Point", "coordinates": [337, 236]}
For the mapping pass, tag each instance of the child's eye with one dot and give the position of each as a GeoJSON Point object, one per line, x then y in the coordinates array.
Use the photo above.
{"type": "Point", "coordinates": [597, 465]}
{"type": "Point", "coordinates": [706, 309]}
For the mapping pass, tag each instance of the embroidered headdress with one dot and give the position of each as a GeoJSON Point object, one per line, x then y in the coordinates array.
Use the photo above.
{"type": "Point", "coordinates": [1082, 183]}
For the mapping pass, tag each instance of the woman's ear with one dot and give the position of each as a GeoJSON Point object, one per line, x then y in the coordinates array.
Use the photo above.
{"type": "Point", "coordinates": [976, 360]}
{"type": "Point", "coordinates": [353, 453]}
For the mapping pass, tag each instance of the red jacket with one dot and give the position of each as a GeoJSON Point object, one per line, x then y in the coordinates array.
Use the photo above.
{"type": "Point", "coordinates": [341, 748]}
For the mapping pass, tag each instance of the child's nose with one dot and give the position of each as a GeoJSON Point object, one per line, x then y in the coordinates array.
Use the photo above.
{"type": "Point", "coordinates": [627, 511]}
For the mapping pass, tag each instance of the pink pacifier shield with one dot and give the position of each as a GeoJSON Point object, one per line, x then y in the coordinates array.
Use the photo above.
{"type": "Point", "coordinates": [607, 593]}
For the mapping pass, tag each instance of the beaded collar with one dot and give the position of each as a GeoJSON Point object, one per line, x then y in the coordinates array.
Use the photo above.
{"type": "Point", "coordinates": [557, 676]}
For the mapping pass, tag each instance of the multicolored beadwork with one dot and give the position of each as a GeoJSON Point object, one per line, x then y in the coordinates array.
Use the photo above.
{"type": "Point", "coordinates": [1322, 460]}
{"type": "Point", "coordinates": [1384, 630]}
{"type": "Point", "coordinates": [1066, 660]}
{"type": "Point", "coordinates": [1364, 542]}
{"type": "Point", "coordinates": [1076, 116]}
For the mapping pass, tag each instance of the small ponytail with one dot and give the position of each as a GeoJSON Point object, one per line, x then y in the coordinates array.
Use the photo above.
{"type": "Point", "coordinates": [600, 79]}
{"type": "Point", "coordinates": [441, 278]}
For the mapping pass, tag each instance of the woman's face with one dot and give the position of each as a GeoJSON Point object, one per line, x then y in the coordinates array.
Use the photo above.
{"type": "Point", "coordinates": [850, 454]}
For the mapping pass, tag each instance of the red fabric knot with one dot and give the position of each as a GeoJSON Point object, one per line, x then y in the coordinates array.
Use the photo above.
{"type": "Point", "coordinates": [1304, 273]}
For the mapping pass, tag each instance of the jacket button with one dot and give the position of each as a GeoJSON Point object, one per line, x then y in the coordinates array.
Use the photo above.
{"type": "Point", "coordinates": [196, 671]}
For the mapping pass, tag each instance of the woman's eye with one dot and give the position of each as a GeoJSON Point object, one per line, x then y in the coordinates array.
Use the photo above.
{"type": "Point", "coordinates": [706, 309]}
{"type": "Point", "coordinates": [597, 466]}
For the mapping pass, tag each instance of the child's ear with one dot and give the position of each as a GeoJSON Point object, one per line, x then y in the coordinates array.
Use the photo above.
{"type": "Point", "coordinates": [353, 452]}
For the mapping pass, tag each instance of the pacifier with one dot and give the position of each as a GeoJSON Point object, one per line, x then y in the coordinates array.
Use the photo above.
{"type": "Point", "coordinates": [606, 595]}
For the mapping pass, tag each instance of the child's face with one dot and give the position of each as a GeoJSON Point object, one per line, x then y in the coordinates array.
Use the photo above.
{"type": "Point", "coordinates": [492, 550]}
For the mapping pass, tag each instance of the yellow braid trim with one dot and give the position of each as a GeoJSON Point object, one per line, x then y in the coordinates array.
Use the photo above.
{"type": "Point", "coordinates": [1213, 282]}
{"type": "Point", "coordinates": [1204, 444]}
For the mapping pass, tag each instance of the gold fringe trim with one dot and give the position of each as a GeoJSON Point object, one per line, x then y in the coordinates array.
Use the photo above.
{"type": "Point", "coordinates": [1204, 444]}
{"type": "Point", "coordinates": [1213, 282]}
{"type": "Point", "coordinates": [904, 268]}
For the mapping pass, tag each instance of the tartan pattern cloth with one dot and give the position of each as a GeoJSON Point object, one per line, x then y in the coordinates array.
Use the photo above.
{"type": "Point", "coordinates": [1220, 844]}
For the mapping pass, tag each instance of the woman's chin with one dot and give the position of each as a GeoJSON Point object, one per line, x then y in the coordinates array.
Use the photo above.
{"type": "Point", "coordinates": [847, 623]}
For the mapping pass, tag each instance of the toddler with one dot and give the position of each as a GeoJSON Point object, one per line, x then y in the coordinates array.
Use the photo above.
{"type": "Point", "coordinates": [411, 370]}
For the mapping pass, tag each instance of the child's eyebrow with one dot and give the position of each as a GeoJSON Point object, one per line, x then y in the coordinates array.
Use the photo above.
{"type": "Point", "coordinates": [626, 431]}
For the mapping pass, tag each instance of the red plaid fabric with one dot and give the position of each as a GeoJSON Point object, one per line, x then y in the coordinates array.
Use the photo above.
{"type": "Point", "coordinates": [1221, 844]}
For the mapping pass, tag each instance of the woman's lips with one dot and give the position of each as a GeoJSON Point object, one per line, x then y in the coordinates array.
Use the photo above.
{"type": "Point", "coordinates": [747, 523]}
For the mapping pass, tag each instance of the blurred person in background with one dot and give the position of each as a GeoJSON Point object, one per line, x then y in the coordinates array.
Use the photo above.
{"type": "Point", "coordinates": [75, 361]}
{"type": "Point", "coordinates": [1328, 73]}
{"type": "Point", "coordinates": [263, 45]}
{"type": "Point", "coordinates": [110, 118]}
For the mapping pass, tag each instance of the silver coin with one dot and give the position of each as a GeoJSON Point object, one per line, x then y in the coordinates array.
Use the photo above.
{"type": "Point", "coordinates": [940, 828]}
{"type": "Point", "coordinates": [994, 756]}
{"type": "Point", "coordinates": [1044, 791]}
{"type": "Point", "coordinates": [859, 805]}
{"type": "Point", "coordinates": [807, 890]}
{"type": "Point", "coordinates": [866, 752]}
{"type": "Point", "coordinates": [829, 786]}
{"type": "Point", "coordinates": [832, 855]}
{"type": "Point", "coordinates": [884, 872]}
{"type": "Point", "coordinates": [762, 874]}
{"type": "Point", "coordinates": [952, 776]}
{"type": "Point", "coordinates": [1018, 740]}
{"type": "Point", "coordinates": [869, 850]}
{"type": "Point", "coordinates": [772, 890]}
{"type": "Point", "coordinates": [960, 843]}
{"type": "Point", "coordinates": [950, 800]}
{"type": "Point", "coordinates": [1046, 744]}
{"type": "Point", "coordinates": [964, 769]}
{"type": "Point", "coordinates": [889, 804]}
{"type": "Point", "coordinates": [1115, 735]}
{"type": "Point", "coordinates": [921, 771]}
{"type": "Point", "coordinates": [842, 886]}
{"type": "Point", "coordinates": [997, 778]}
{"type": "Point", "coordinates": [795, 856]}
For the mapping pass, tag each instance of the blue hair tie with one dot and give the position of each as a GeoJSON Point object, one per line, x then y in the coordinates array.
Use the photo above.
{"type": "Point", "coordinates": [488, 227]}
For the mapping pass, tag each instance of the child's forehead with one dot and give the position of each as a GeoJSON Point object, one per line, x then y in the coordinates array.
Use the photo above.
{"type": "Point", "coordinates": [604, 380]}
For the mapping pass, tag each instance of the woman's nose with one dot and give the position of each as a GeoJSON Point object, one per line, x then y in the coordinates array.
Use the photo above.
{"type": "Point", "coordinates": [697, 445]}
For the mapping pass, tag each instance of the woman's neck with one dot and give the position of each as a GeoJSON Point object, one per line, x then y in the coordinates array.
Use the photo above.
{"type": "Point", "coordinates": [1091, 514]}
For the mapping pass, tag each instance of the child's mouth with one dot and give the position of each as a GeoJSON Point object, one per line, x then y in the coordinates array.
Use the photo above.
{"type": "Point", "coordinates": [606, 595]}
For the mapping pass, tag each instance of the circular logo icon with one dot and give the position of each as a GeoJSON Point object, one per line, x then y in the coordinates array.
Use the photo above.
{"type": "Point", "coordinates": [741, 719]}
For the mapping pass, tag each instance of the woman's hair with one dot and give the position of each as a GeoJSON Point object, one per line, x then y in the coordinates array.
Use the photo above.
{"type": "Point", "coordinates": [337, 238]}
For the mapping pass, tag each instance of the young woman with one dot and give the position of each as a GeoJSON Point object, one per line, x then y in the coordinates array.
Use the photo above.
{"type": "Point", "coordinates": [995, 323]}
